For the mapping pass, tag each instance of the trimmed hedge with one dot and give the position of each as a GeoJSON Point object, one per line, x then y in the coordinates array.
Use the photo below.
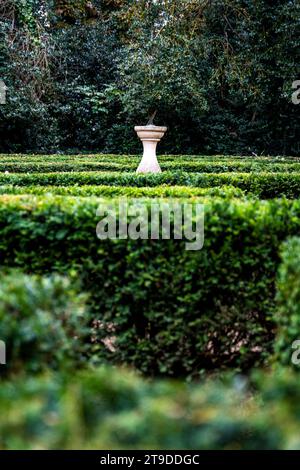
{"type": "Point", "coordinates": [113, 191]}
{"type": "Point", "coordinates": [114, 409]}
{"type": "Point", "coordinates": [117, 158]}
{"type": "Point", "coordinates": [130, 165]}
{"type": "Point", "coordinates": [288, 301]}
{"type": "Point", "coordinates": [173, 311]}
{"type": "Point", "coordinates": [264, 185]}
{"type": "Point", "coordinates": [42, 322]}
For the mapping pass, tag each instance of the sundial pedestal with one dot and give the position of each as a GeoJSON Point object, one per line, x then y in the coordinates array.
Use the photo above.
{"type": "Point", "coordinates": [150, 136]}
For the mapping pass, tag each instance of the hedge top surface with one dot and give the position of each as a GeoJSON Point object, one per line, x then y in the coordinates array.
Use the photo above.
{"type": "Point", "coordinates": [124, 191]}
{"type": "Point", "coordinates": [123, 163]}
{"type": "Point", "coordinates": [265, 185]}
{"type": "Point", "coordinates": [118, 157]}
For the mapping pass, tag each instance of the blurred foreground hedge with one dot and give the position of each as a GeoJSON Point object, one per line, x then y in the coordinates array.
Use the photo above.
{"type": "Point", "coordinates": [288, 303]}
{"type": "Point", "coordinates": [43, 322]}
{"type": "Point", "coordinates": [112, 408]}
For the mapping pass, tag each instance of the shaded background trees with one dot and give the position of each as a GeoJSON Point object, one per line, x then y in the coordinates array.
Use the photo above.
{"type": "Point", "coordinates": [81, 74]}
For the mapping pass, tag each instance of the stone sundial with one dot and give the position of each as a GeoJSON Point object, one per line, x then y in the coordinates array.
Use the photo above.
{"type": "Point", "coordinates": [150, 135]}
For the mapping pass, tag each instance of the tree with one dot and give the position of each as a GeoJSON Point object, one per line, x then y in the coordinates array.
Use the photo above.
{"type": "Point", "coordinates": [81, 74]}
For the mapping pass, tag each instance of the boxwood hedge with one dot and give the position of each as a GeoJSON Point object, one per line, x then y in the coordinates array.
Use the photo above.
{"type": "Point", "coordinates": [264, 185]}
{"type": "Point", "coordinates": [288, 304]}
{"type": "Point", "coordinates": [166, 310]}
{"type": "Point", "coordinates": [43, 323]}
{"type": "Point", "coordinates": [130, 165]}
{"type": "Point", "coordinates": [113, 191]}
{"type": "Point", "coordinates": [111, 408]}
{"type": "Point", "coordinates": [119, 158]}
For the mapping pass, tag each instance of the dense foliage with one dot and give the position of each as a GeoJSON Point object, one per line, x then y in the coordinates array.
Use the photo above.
{"type": "Point", "coordinates": [81, 74]}
{"type": "Point", "coordinates": [115, 409]}
{"type": "Point", "coordinates": [288, 301]}
{"type": "Point", "coordinates": [42, 323]}
{"type": "Point", "coordinates": [188, 311]}
{"type": "Point", "coordinates": [75, 302]}
{"type": "Point", "coordinates": [264, 185]}
{"type": "Point", "coordinates": [75, 77]}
